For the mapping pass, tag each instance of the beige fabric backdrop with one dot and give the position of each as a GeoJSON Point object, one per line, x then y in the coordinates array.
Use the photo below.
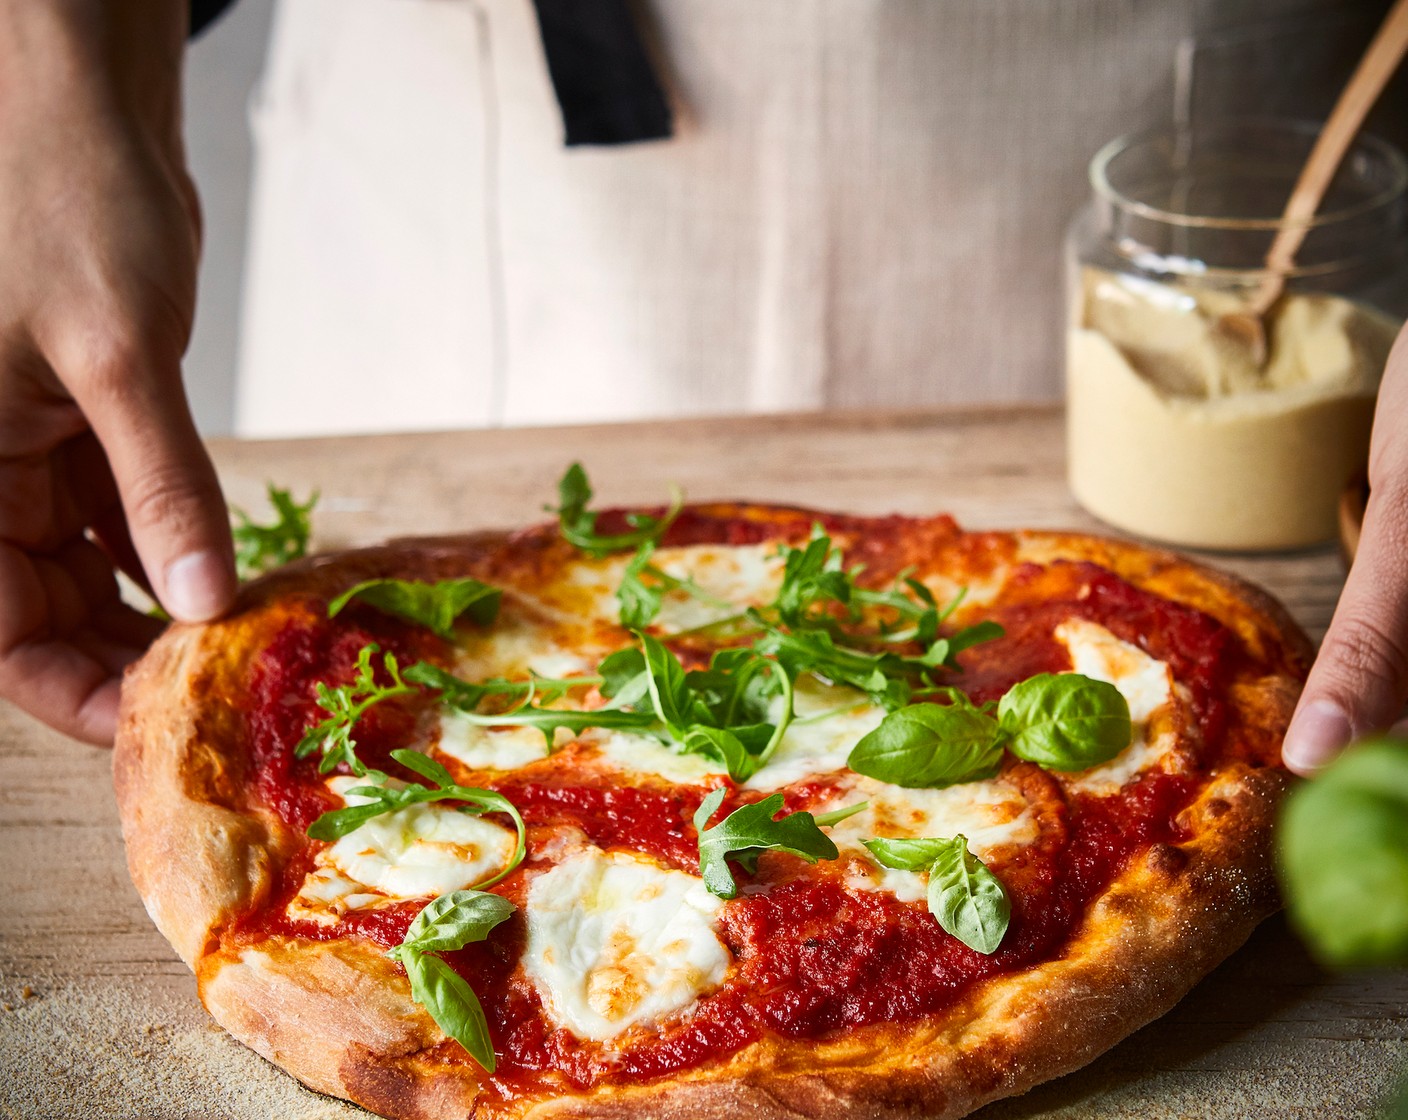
{"type": "Point", "coordinates": [864, 205]}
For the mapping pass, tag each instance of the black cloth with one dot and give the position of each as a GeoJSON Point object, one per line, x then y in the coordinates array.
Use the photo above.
{"type": "Point", "coordinates": [605, 84]}
{"type": "Point", "coordinates": [606, 87]}
{"type": "Point", "coordinates": [204, 12]}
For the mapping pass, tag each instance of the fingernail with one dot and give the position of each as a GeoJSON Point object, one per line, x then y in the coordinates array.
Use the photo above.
{"type": "Point", "coordinates": [1319, 731]}
{"type": "Point", "coordinates": [198, 587]}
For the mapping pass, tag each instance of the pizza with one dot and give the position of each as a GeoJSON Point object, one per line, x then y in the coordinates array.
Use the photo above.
{"type": "Point", "coordinates": [713, 810]}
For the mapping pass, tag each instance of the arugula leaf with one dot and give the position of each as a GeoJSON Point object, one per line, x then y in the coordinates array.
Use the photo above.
{"type": "Point", "coordinates": [345, 705]}
{"type": "Point", "coordinates": [883, 677]}
{"type": "Point", "coordinates": [458, 693]}
{"type": "Point", "coordinates": [931, 746]}
{"type": "Point", "coordinates": [383, 798]}
{"type": "Point", "coordinates": [640, 601]}
{"type": "Point", "coordinates": [967, 898]}
{"type": "Point", "coordinates": [747, 832]}
{"type": "Point", "coordinates": [454, 921]}
{"type": "Point", "coordinates": [578, 524]}
{"type": "Point", "coordinates": [720, 712]}
{"type": "Point", "coordinates": [1065, 721]}
{"type": "Point", "coordinates": [435, 606]}
{"type": "Point", "coordinates": [260, 548]}
{"type": "Point", "coordinates": [811, 577]}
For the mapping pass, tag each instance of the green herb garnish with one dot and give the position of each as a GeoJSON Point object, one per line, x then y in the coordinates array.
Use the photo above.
{"type": "Point", "coordinates": [1059, 721]}
{"type": "Point", "coordinates": [260, 548]}
{"type": "Point", "coordinates": [435, 606]}
{"type": "Point", "coordinates": [452, 921]}
{"type": "Point", "coordinates": [747, 832]}
{"type": "Point", "coordinates": [578, 524]}
{"type": "Point", "coordinates": [382, 798]}
{"type": "Point", "coordinates": [345, 705]}
{"type": "Point", "coordinates": [966, 898]}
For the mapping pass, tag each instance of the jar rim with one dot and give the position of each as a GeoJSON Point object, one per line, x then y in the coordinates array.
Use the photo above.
{"type": "Point", "coordinates": [1179, 133]}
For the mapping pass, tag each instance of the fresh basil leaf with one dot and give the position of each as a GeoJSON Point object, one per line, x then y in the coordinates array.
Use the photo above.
{"type": "Point", "coordinates": [967, 898]}
{"type": "Point", "coordinates": [907, 855]}
{"type": "Point", "coordinates": [1343, 848]}
{"type": "Point", "coordinates": [452, 1004]}
{"type": "Point", "coordinates": [260, 548]}
{"type": "Point", "coordinates": [452, 921]}
{"type": "Point", "coordinates": [930, 746]}
{"type": "Point", "coordinates": [749, 831]}
{"type": "Point", "coordinates": [345, 705]}
{"type": "Point", "coordinates": [435, 606]}
{"type": "Point", "coordinates": [1065, 721]}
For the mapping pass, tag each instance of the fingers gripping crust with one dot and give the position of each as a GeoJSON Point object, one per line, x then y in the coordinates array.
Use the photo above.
{"type": "Point", "coordinates": [338, 1015]}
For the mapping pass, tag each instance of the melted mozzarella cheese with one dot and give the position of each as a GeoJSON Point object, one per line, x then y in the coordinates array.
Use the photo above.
{"type": "Point", "coordinates": [616, 941]}
{"type": "Point", "coordinates": [643, 754]}
{"type": "Point", "coordinates": [1145, 683]}
{"type": "Point", "coordinates": [741, 575]}
{"type": "Point", "coordinates": [489, 748]}
{"type": "Point", "coordinates": [418, 852]}
{"type": "Point", "coordinates": [991, 814]}
{"type": "Point", "coordinates": [829, 721]}
{"type": "Point", "coordinates": [525, 641]}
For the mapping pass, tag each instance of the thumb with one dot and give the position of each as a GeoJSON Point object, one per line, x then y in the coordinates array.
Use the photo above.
{"type": "Point", "coordinates": [175, 512]}
{"type": "Point", "coordinates": [1360, 679]}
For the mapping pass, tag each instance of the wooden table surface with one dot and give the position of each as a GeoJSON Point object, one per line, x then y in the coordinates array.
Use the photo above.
{"type": "Point", "coordinates": [100, 1019]}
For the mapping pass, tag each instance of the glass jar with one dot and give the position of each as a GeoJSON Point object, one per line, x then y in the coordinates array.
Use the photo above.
{"type": "Point", "coordinates": [1176, 432]}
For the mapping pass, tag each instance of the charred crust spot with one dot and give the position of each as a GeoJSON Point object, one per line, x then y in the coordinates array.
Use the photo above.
{"type": "Point", "coordinates": [1216, 807]}
{"type": "Point", "coordinates": [1167, 860]}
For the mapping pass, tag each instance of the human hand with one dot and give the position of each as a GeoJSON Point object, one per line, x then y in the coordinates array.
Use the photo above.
{"type": "Point", "coordinates": [100, 462]}
{"type": "Point", "coordinates": [1359, 682]}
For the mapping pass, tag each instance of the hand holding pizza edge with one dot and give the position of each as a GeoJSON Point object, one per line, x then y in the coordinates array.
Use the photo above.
{"type": "Point", "coordinates": [1359, 681]}
{"type": "Point", "coordinates": [100, 462]}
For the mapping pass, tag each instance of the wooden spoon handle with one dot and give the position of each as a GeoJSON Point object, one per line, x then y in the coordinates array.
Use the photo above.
{"type": "Point", "coordinates": [1347, 117]}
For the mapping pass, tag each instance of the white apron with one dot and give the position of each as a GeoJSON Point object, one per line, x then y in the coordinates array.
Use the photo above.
{"type": "Point", "coordinates": [862, 206]}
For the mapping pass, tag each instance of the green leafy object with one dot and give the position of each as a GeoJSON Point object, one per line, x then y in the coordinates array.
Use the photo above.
{"type": "Point", "coordinates": [345, 705]}
{"type": "Point", "coordinates": [811, 577]}
{"type": "Point", "coordinates": [452, 1004]}
{"type": "Point", "coordinates": [967, 898]}
{"type": "Point", "coordinates": [907, 855]}
{"type": "Point", "coordinates": [1343, 848]}
{"type": "Point", "coordinates": [260, 548]}
{"type": "Point", "coordinates": [1065, 721]}
{"type": "Point", "coordinates": [726, 747]}
{"type": "Point", "coordinates": [639, 601]}
{"type": "Point", "coordinates": [452, 921]}
{"type": "Point", "coordinates": [384, 798]}
{"type": "Point", "coordinates": [930, 746]}
{"type": "Point", "coordinates": [462, 694]}
{"type": "Point", "coordinates": [816, 652]}
{"type": "Point", "coordinates": [578, 524]}
{"type": "Point", "coordinates": [435, 606]}
{"type": "Point", "coordinates": [625, 679]}
{"type": "Point", "coordinates": [675, 703]}
{"type": "Point", "coordinates": [749, 831]}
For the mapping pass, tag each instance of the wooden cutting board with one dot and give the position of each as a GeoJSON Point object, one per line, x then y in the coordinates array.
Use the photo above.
{"type": "Point", "coordinates": [98, 1018]}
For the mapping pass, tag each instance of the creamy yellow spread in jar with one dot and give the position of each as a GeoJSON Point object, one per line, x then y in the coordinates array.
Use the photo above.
{"type": "Point", "coordinates": [1175, 433]}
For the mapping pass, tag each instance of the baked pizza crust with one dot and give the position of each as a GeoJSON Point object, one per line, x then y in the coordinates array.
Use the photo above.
{"type": "Point", "coordinates": [338, 1015]}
